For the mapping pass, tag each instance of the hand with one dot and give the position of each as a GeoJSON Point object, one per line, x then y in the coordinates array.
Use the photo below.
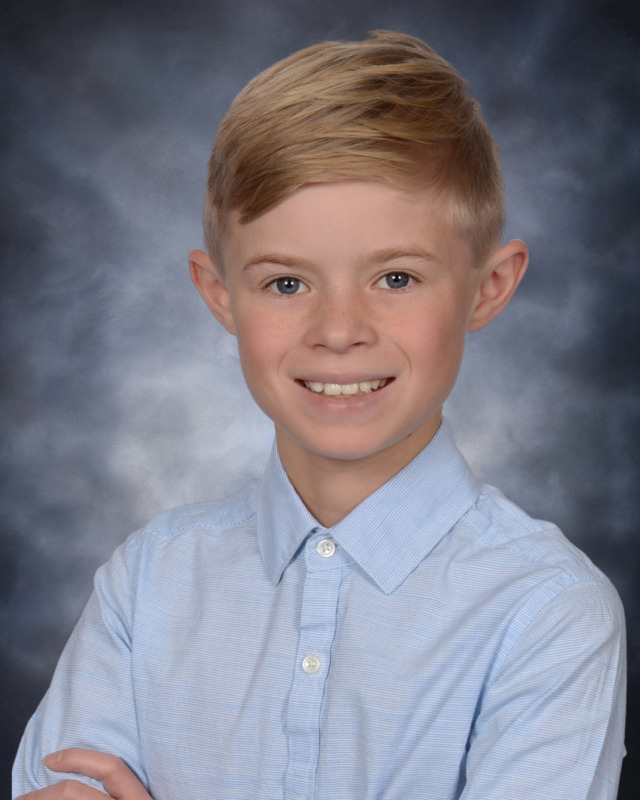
{"type": "Point", "coordinates": [116, 777]}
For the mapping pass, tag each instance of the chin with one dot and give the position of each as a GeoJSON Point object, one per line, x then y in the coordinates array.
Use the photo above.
{"type": "Point", "coordinates": [350, 448]}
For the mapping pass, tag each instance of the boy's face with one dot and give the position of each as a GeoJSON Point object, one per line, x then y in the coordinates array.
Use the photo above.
{"type": "Point", "coordinates": [341, 288]}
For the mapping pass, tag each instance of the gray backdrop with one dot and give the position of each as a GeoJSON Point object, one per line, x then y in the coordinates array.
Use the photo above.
{"type": "Point", "coordinates": [121, 396]}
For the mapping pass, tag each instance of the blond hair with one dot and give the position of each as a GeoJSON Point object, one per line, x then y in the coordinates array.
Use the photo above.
{"type": "Point", "coordinates": [387, 108]}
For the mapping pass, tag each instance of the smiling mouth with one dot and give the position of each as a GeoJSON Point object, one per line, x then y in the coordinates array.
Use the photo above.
{"type": "Point", "coordinates": [345, 390]}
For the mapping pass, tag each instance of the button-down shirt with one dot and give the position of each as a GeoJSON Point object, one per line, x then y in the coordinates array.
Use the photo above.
{"type": "Point", "coordinates": [436, 643]}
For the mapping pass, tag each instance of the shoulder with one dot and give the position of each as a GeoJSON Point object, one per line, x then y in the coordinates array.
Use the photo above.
{"type": "Point", "coordinates": [185, 537]}
{"type": "Point", "coordinates": [499, 525]}
{"type": "Point", "coordinates": [216, 516]}
{"type": "Point", "coordinates": [551, 593]}
{"type": "Point", "coordinates": [176, 557]}
{"type": "Point", "coordinates": [534, 563]}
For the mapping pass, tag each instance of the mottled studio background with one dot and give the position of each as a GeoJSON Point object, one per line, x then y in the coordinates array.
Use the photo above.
{"type": "Point", "coordinates": [121, 397]}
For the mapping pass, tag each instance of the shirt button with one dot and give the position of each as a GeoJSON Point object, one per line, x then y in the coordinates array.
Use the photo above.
{"type": "Point", "coordinates": [311, 664]}
{"type": "Point", "coordinates": [326, 548]}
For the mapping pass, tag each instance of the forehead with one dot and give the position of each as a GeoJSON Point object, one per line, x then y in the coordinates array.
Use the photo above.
{"type": "Point", "coordinates": [345, 220]}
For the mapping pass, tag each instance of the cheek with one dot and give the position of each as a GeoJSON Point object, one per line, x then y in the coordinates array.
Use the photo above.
{"type": "Point", "coordinates": [436, 340]}
{"type": "Point", "coordinates": [263, 339]}
{"type": "Point", "coordinates": [441, 318]}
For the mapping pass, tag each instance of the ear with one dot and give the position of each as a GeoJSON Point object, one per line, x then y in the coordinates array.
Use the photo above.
{"type": "Point", "coordinates": [500, 277]}
{"type": "Point", "coordinates": [211, 285]}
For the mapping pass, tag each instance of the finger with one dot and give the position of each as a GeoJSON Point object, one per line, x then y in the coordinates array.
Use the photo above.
{"type": "Point", "coordinates": [64, 790]}
{"type": "Point", "coordinates": [118, 780]}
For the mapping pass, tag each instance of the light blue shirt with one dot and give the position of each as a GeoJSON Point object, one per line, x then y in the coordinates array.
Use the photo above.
{"type": "Point", "coordinates": [437, 643]}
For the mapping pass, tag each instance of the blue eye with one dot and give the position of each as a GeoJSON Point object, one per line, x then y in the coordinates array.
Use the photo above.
{"type": "Point", "coordinates": [396, 280]}
{"type": "Point", "coordinates": [287, 286]}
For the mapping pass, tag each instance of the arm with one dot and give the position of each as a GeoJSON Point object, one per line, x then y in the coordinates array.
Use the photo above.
{"type": "Point", "coordinates": [118, 780]}
{"type": "Point", "coordinates": [90, 703]}
{"type": "Point", "coordinates": [551, 722]}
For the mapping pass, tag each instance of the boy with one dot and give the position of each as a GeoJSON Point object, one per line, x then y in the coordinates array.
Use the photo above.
{"type": "Point", "coordinates": [367, 621]}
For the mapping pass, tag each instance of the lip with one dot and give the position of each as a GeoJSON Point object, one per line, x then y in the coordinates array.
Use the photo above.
{"type": "Point", "coordinates": [320, 399]}
{"type": "Point", "coordinates": [344, 379]}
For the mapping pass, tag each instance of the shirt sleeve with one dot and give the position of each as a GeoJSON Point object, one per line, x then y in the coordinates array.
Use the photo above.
{"type": "Point", "coordinates": [551, 723]}
{"type": "Point", "coordinates": [90, 702]}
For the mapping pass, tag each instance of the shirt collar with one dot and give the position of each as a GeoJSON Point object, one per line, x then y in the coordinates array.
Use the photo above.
{"type": "Point", "coordinates": [391, 531]}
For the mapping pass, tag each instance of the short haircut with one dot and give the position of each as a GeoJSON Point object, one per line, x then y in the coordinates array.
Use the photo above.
{"type": "Point", "coordinates": [388, 108]}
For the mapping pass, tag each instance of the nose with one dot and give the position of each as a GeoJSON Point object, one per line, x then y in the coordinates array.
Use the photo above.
{"type": "Point", "coordinates": [341, 320]}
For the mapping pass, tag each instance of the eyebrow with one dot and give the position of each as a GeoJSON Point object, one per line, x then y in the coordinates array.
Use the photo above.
{"type": "Point", "coordinates": [392, 253]}
{"type": "Point", "coordinates": [275, 258]}
{"type": "Point", "coordinates": [376, 257]}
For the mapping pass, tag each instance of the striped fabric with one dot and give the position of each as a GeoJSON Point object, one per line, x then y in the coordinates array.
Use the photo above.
{"type": "Point", "coordinates": [437, 643]}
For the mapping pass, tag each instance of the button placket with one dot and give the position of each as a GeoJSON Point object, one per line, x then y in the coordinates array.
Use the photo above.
{"type": "Point", "coordinates": [318, 620]}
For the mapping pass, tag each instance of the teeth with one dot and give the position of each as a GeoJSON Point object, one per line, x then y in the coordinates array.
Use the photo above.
{"type": "Point", "coordinates": [345, 389]}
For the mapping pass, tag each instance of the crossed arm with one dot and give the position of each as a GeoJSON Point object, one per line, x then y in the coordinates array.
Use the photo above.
{"type": "Point", "coordinates": [118, 780]}
{"type": "Point", "coordinates": [572, 705]}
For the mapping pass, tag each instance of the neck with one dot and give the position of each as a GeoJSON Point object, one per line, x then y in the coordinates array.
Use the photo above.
{"type": "Point", "coordinates": [331, 487]}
